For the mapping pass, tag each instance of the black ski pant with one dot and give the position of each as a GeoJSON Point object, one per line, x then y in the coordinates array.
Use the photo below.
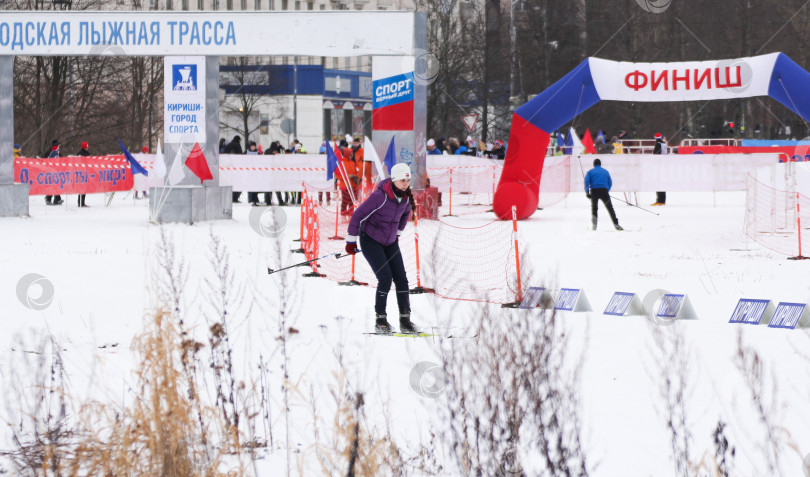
{"type": "Point", "coordinates": [387, 264]}
{"type": "Point", "coordinates": [603, 195]}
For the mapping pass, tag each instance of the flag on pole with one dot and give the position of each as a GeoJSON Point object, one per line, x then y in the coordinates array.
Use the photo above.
{"type": "Point", "coordinates": [576, 145]}
{"type": "Point", "coordinates": [136, 167]}
{"type": "Point", "coordinates": [176, 173]}
{"type": "Point", "coordinates": [197, 163]}
{"type": "Point", "coordinates": [331, 163]}
{"type": "Point", "coordinates": [160, 163]}
{"type": "Point", "coordinates": [587, 141]}
{"type": "Point", "coordinates": [371, 155]}
{"type": "Point", "coordinates": [569, 143]}
{"type": "Point", "coordinates": [391, 156]}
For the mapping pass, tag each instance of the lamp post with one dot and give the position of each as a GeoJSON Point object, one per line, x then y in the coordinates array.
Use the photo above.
{"type": "Point", "coordinates": [295, 97]}
{"type": "Point", "coordinates": [512, 51]}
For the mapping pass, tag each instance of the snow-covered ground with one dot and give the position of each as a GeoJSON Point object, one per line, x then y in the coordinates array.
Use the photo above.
{"type": "Point", "coordinates": [101, 264]}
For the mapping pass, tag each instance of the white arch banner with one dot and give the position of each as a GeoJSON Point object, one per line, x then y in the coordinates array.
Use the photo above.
{"type": "Point", "coordinates": [210, 33]}
{"type": "Point", "coordinates": [683, 81]}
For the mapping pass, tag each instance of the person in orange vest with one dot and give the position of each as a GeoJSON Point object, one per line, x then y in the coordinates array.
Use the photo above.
{"type": "Point", "coordinates": [347, 180]}
{"type": "Point", "coordinates": [364, 169]}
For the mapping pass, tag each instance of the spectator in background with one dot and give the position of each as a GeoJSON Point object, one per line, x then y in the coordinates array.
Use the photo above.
{"type": "Point", "coordinates": [432, 149]}
{"type": "Point", "coordinates": [452, 145]}
{"type": "Point", "coordinates": [441, 146]}
{"type": "Point", "coordinates": [57, 199]}
{"type": "Point", "coordinates": [497, 152]}
{"type": "Point", "coordinates": [472, 149]}
{"type": "Point", "coordinates": [275, 149]}
{"type": "Point", "coordinates": [660, 148]}
{"type": "Point", "coordinates": [617, 146]}
{"type": "Point", "coordinates": [221, 145]}
{"type": "Point", "coordinates": [235, 147]}
{"type": "Point", "coordinates": [364, 172]}
{"type": "Point", "coordinates": [84, 152]}
{"type": "Point", "coordinates": [17, 150]}
{"type": "Point", "coordinates": [461, 149]}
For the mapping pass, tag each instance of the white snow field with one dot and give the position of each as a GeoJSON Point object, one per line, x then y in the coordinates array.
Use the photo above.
{"type": "Point", "coordinates": [102, 265]}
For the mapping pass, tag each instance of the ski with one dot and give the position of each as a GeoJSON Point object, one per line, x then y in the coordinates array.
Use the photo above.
{"type": "Point", "coordinates": [420, 335]}
{"type": "Point", "coordinates": [403, 335]}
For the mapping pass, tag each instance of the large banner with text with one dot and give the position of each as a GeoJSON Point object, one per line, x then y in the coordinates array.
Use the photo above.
{"type": "Point", "coordinates": [73, 174]}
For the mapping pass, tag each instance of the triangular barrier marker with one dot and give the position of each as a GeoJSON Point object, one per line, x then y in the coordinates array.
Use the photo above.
{"type": "Point", "coordinates": [672, 306]}
{"type": "Point", "coordinates": [624, 304]}
{"type": "Point", "coordinates": [536, 296]}
{"type": "Point", "coordinates": [752, 312]}
{"type": "Point", "coordinates": [572, 299]}
{"type": "Point", "coordinates": [788, 315]}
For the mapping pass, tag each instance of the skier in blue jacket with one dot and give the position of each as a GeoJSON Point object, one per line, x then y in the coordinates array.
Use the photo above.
{"type": "Point", "coordinates": [378, 222]}
{"type": "Point", "coordinates": [597, 187]}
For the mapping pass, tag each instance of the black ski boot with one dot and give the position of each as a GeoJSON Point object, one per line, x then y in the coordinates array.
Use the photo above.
{"type": "Point", "coordinates": [618, 227]}
{"type": "Point", "coordinates": [382, 326]}
{"type": "Point", "coordinates": [406, 326]}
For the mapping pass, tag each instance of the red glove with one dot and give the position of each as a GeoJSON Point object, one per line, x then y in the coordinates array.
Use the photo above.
{"type": "Point", "coordinates": [351, 248]}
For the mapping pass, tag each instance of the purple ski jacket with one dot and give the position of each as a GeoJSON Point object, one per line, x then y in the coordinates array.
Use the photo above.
{"type": "Point", "coordinates": [381, 217]}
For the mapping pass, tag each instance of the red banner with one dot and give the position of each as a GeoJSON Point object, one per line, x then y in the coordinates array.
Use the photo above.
{"type": "Point", "coordinates": [73, 174]}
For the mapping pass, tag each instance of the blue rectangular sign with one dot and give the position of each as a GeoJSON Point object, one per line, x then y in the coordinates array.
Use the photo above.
{"type": "Point", "coordinates": [184, 77]}
{"type": "Point", "coordinates": [749, 311]}
{"type": "Point", "coordinates": [567, 299]}
{"type": "Point", "coordinates": [787, 315]}
{"type": "Point", "coordinates": [393, 90]}
{"type": "Point", "coordinates": [532, 297]}
{"type": "Point", "coordinates": [669, 306]}
{"type": "Point", "coordinates": [619, 303]}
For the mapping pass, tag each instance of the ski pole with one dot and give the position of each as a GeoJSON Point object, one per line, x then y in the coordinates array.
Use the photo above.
{"type": "Point", "coordinates": [634, 205]}
{"type": "Point", "coordinates": [336, 255]}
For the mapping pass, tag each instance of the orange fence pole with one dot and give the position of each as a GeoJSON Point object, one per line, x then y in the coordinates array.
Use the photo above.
{"type": "Point", "coordinates": [451, 194]}
{"type": "Point", "coordinates": [418, 288]}
{"type": "Point", "coordinates": [315, 240]}
{"type": "Point", "coordinates": [517, 253]}
{"type": "Point", "coordinates": [799, 229]}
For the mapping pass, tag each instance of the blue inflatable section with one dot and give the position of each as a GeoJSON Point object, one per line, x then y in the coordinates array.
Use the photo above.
{"type": "Point", "coordinates": [789, 86]}
{"type": "Point", "coordinates": [562, 101]}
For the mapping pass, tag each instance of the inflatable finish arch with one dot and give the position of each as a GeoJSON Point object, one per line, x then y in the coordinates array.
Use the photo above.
{"type": "Point", "coordinates": [595, 79]}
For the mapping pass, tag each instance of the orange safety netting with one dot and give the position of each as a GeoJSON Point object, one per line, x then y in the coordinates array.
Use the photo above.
{"type": "Point", "coordinates": [777, 219]}
{"type": "Point", "coordinates": [462, 263]}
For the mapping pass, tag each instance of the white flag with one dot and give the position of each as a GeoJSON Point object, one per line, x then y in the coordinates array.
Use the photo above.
{"type": "Point", "coordinates": [160, 163]}
{"type": "Point", "coordinates": [177, 174]}
{"type": "Point", "coordinates": [578, 149]}
{"type": "Point", "coordinates": [370, 154]}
